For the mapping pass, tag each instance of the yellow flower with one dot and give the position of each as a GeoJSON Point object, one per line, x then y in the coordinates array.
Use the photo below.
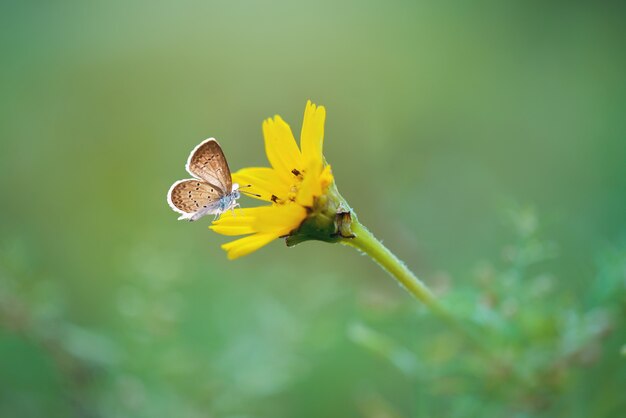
{"type": "Point", "coordinates": [298, 177]}
{"type": "Point", "coordinates": [304, 203]}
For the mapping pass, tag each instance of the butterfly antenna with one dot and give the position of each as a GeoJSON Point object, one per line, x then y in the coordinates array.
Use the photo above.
{"type": "Point", "coordinates": [248, 193]}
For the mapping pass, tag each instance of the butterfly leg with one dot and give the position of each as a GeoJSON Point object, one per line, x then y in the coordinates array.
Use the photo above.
{"type": "Point", "coordinates": [233, 208]}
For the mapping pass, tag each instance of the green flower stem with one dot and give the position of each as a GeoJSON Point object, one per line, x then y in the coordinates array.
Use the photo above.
{"type": "Point", "coordinates": [363, 240]}
{"type": "Point", "coordinates": [332, 220]}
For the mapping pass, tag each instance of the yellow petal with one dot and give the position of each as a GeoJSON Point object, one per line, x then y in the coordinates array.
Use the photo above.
{"type": "Point", "coordinates": [226, 229]}
{"type": "Point", "coordinates": [326, 178]}
{"type": "Point", "coordinates": [309, 188]}
{"type": "Point", "coordinates": [314, 184]}
{"type": "Point", "coordinates": [240, 217]}
{"type": "Point", "coordinates": [279, 219]}
{"type": "Point", "coordinates": [266, 223]}
{"type": "Point", "coordinates": [312, 135]}
{"type": "Point", "coordinates": [238, 213]}
{"type": "Point", "coordinates": [280, 147]}
{"type": "Point", "coordinates": [263, 181]}
{"type": "Point", "coordinates": [246, 245]}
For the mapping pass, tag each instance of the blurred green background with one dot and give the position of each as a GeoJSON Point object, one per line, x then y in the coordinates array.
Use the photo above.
{"type": "Point", "coordinates": [485, 143]}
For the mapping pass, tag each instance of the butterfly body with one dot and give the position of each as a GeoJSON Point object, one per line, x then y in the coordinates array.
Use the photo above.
{"type": "Point", "coordinates": [211, 191]}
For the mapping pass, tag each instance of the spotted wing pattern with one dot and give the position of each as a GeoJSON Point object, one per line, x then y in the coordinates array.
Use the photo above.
{"type": "Point", "coordinates": [193, 198]}
{"type": "Point", "coordinates": [208, 163]}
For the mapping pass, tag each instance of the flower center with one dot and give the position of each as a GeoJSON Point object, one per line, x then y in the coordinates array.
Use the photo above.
{"type": "Point", "coordinates": [292, 191]}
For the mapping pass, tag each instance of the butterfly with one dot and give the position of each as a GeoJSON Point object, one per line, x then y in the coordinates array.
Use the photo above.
{"type": "Point", "coordinates": [211, 191]}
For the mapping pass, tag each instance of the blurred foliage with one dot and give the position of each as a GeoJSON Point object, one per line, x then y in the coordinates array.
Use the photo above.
{"type": "Point", "coordinates": [548, 343]}
{"type": "Point", "coordinates": [551, 350]}
{"type": "Point", "coordinates": [441, 115]}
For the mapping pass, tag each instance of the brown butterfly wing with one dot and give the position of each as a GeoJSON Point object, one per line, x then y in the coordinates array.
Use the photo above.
{"type": "Point", "coordinates": [193, 197]}
{"type": "Point", "coordinates": [208, 163]}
